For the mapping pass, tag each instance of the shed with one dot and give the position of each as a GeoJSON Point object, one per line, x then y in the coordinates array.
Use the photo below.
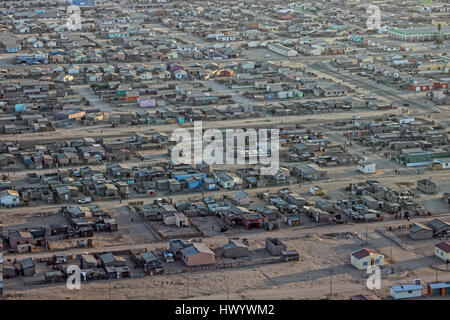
{"type": "Point", "coordinates": [108, 259]}
{"type": "Point", "coordinates": [439, 227]}
{"type": "Point", "coordinates": [426, 186]}
{"type": "Point", "coordinates": [370, 202]}
{"type": "Point", "coordinates": [419, 231]}
{"type": "Point", "coordinates": [88, 261]}
{"type": "Point", "coordinates": [27, 267]}
{"type": "Point", "coordinates": [275, 246]}
{"type": "Point", "coordinates": [406, 291]}
{"type": "Point", "coordinates": [439, 289]}
{"type": "Point", "coordinates": [235, 248]}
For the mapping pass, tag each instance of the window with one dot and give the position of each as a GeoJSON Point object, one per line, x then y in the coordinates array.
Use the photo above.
{"type": "Point", "coordinates": [409, 291]}
{"type": "Point", "coordinates": [365, 263]}
{"type": "Point", "coordinates": [377, 261]}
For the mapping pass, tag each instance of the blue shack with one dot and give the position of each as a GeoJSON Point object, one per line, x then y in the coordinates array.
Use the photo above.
{"type": "Point", "coordinates": [194, 182]}
{"type": "Point", "coordinates": [82, 3]}
{"type": "Point", "coordinates": [194, 179]}
{"type": "Point", "coordinates": [20, 107]}
{"type": "Point", "coordinates": [57, 52]}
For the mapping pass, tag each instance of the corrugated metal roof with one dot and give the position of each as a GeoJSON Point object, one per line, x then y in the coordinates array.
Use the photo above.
{"type": "Point", "coordinates": [407, 287]}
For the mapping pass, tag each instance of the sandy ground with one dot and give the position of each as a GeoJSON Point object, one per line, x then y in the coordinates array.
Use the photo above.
{"type": "Point", "coordinates": [308, 278]}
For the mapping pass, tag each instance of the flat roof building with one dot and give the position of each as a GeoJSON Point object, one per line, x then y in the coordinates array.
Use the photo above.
{"type": "Point", "coordinates": [419, 33]}
{"type": "Point", "coordinates": [285, 51]}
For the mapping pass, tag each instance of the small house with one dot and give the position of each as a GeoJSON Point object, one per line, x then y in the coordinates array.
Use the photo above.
{"type": "Point", "coordinates": [27, 267]}
{"type": "Point", "coordinates": [442, 251]}
{"type": "Point", "coordinates": [439, 227]}
{"type": "Point", "coordinates": [364, 258]}
{"type": "Point", "coordinates": [426, 186]}
{"type": "Point", "coordinates": [108, 259]}
{"type": "Point", "coordinates": [439, 289]}
{"type": "Point", "coordinates": [252, 220]}
{"type": "Point", "coordinates": [241, 197]}
{"type": "Point", "coordinates": [406, 291]}
{"type": "Point", "coordinates": [235, 248]}
{"type": "Point", "coordinates": [367, 166]}
{"type": "Point", "coordinates": [9, 198]}
{"type": "Point", "coordinates": [419, 231]}
{"type": "Point", "coordinates": [310, 172]}
{"type": "Point", "coordinates": [176, 245]}
{"type": "Point", "coordinates": [88, 261]}
{"type": "Point", "coordinates": [275, 246]}
{"type": "Point", "coordinates": [197, 254]}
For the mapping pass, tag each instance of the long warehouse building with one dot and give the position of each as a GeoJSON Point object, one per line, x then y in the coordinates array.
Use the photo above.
{"type": "Point", "coordinates": [419, 34]}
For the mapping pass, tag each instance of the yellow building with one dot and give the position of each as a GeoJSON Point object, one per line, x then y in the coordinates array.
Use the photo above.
{"type": "Point", "coordinates": [434, 66]}
{"type": "Point", "coordinates": [364, 258]}
{"type": "Point", "coordinates": [172, 55]}
{"type": "Point", "coordinates": [442, 250]}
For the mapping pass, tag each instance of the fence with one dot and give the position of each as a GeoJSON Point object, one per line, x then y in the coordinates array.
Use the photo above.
{"type": "Point", "coordinates": [241, 264]}
{"type": "Point", "coordinates": [391, 236]}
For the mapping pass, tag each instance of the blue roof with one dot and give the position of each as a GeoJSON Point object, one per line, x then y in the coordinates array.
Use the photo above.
{"type": "Point", "coordinates": [439, 285]}
{"type": "Point", "coordinates": [407, 287]}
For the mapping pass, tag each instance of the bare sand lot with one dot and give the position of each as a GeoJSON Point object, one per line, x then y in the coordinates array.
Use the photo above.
{"type": "Point", "coordinates": [324, 268]}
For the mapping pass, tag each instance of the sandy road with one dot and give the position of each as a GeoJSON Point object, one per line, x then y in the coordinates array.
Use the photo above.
{"type": "Point", "coordinates": [283, 234]}
{"type": "Point", "coordinates": [78, 133]}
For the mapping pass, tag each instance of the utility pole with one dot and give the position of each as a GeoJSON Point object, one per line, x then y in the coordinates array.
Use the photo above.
{"type": "Point", "coordinates": [331, 282]}
{"type": "Point", "coordinates": [228, 292]}
{"type": "Point", "coordinates": [366, 232]}
{"type": "Point", "coordinates": [187, 286]}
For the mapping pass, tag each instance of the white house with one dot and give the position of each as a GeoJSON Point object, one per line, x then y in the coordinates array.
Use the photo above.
{"type": "Point", "coordinates": [32, 40]}
{"type": "Point", "coordinates": [180, 74]}
{"type": "Point", "coordinates": [285, 51]}
{"type": "Point", "coordinates": [51, 44]}
{"type": "Point", "coordinates": [9, 198]}
{"type": "Point", "coordinates": [248, 65]}
{"type": "Point", "coordinates": [224, 179]}
{"type": "Point", "coordinates": [38, 44]}
{"type": "Point", "coordinates": [406, 291]}
{"type": "Point", "coordinates": [367, 166]}
{"type": "Point", "coordinates": [146, 76]}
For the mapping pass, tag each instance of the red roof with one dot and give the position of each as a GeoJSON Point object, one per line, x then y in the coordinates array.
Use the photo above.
{"type": "Point", "coordinates": [364, 253]}
{"type": "Point", "coordinates": [444, 246]}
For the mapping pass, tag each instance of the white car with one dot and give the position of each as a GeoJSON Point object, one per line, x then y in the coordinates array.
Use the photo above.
{"type": "Point", "coordinates": [356, 117]}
